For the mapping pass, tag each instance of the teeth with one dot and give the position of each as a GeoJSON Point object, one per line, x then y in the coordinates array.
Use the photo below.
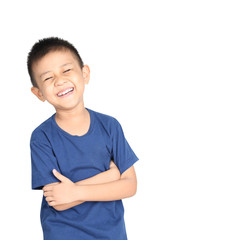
{"type": "Point", "coordinates": [65, 92]}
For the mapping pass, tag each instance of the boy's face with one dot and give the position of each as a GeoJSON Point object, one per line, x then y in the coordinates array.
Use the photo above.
{"type": "Point", "coordinates": [57, 73]}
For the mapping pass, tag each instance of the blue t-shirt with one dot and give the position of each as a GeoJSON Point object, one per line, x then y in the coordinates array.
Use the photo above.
{"type": "Point", "coordinates": [79, 158]}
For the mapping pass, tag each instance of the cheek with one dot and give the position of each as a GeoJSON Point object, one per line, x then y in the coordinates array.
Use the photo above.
{"type": "Point", "coordinates": [48, 91]}
{"type": "Point", "coordinates": [80, 83]}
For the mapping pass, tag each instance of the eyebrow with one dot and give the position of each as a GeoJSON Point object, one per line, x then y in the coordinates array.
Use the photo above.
{"type": "Point", "coordinates": [50, 71]}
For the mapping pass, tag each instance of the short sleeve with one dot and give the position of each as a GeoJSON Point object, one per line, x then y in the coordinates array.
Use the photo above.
{"type": "Point", "coordinates": [43, 161]}
{"type": "Point", "coordinates": [122, 154]}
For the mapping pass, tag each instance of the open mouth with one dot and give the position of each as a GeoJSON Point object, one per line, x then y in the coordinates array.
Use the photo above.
{"type": "Point", "coordinates": [65, 92]}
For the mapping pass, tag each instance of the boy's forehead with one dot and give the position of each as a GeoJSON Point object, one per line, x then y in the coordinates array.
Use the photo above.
{"type": "Point", "coordinates": [56, 57]}
{"type": "Point", "coordinates": [53, 60]}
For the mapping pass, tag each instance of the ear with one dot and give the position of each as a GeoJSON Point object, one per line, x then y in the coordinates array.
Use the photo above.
{"type": "Point", "coordinates": [86, 73]}
{"type": "Point", "coordinates": [38, 93]}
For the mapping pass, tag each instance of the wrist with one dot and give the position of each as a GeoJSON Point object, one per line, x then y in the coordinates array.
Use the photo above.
{"type": "Point", "coordinates": [80, 193]}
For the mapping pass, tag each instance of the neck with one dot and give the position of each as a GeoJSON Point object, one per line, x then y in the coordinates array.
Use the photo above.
{"type": "Point", "coordinates": [77, 114]}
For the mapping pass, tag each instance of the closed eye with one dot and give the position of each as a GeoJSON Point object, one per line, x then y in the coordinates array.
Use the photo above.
{"type": "Point", "coordinates": [48, 78]}
{"type": "Point", "coordinates": [67, 70]}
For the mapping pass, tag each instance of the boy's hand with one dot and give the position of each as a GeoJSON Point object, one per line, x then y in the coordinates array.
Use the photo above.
{"type": "Point", "coordinates": [112, 165]}
{"type": "Point", "coordinates": [114, 171]}
{"type": "Point", "coordinates": [64, 192]}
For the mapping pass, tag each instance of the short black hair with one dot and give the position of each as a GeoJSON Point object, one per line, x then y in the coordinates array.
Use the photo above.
{"type": "Point", "coordinates": [46, 45]}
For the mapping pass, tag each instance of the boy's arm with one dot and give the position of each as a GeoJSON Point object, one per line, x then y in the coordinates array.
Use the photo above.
{"type": "Point", "coordinates": [125, 187]}
{"type": "Point", "coordinates": [110, 175]}
{"type": "Point", "coordinates": [67, 191]}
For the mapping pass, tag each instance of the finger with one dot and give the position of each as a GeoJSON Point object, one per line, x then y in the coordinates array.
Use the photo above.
{"type": "Point", "coordinates": [60, 176]}
{"type": "Point", "coordinates": [47, 188]}
{"type": "Point", "coordinates": [49, 199]}
{"type": "Point", "coordinates": [112, 164]}
{"type": "Point", "coordinates": [51, 184]}
{"type": "Point", "coordinates": [48, 194]}
{"type": "Point", "coordinates": [52, 203]}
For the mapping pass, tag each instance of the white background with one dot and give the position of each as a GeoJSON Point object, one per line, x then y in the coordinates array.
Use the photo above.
{"type": "Point", "coordinates": [177, 75]}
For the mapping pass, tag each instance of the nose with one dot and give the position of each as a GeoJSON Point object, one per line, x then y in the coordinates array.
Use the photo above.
{"type": "Point", "coordinates": [59, 80]}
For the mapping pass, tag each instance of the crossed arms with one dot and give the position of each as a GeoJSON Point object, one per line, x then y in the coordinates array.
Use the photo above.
{"type": "Point", "coordinates": [106, 186]}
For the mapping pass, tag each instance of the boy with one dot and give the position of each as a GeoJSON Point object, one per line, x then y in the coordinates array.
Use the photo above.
{"type": "Point", "coordinates": [71, 152]}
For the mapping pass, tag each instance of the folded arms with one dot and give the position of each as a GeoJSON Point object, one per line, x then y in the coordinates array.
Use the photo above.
{"type": "Point", "coordinates": [106, 186]}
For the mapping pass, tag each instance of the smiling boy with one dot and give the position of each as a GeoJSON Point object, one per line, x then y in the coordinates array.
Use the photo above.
{"type": "Point", "coordinates": [71, 152]}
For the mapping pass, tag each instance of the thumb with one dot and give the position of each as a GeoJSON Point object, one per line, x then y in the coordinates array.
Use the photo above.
{"type": "Point", "coordinates": [59, 176]}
